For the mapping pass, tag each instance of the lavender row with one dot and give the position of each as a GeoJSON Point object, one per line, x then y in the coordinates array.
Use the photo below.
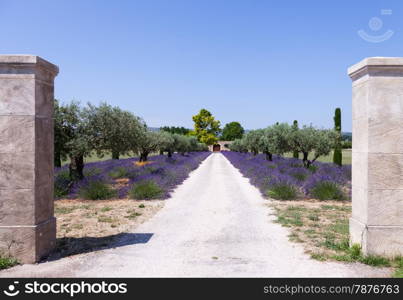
{"type": "Point", "coordinates": [164, 172]}
{"type": "Point", "coordinates": [321, 180]}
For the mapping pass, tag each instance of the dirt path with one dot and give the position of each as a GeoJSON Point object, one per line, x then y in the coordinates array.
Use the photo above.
{"type": "Point", "coordinates": [215, 225]}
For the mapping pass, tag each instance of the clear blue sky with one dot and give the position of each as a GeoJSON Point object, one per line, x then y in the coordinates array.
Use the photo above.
{"type": "Point", "coordinates": [256, 62]}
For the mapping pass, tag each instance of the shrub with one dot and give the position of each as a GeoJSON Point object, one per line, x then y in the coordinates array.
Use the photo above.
{"type": "Point", "coordinates": [282, 191]}
{"type": "Point", "coordinates": [346, 144]}
{"type": "Point", "coordinates": [327, 190]}
{"type": "Point", "coordinates": [145, 190]}
{"type": "Point", "coordinates": [118, 172]}
{"type": "Point", "coordinates": [97, 190]}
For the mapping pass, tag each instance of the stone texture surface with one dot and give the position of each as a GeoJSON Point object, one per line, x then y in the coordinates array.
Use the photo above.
{"type": "Point", "coordinates": [377, 158]}
{"type": "Point", "coordinates": [27, 225]}
{"type": "Point", "coordinates": [28, 243]}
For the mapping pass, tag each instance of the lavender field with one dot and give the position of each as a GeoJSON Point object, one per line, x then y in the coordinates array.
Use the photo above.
{"type": "Point", "coordinates": [287, 178]}
{"type": "Point", "coordinates": [127, 178]}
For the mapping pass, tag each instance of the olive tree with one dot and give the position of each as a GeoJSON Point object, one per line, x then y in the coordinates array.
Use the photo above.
{"type": "Point", "coordinates": [112, 128]}
{"type": "Point", "coordinates": [146, 143]}
{"type": "Point", "coordinates": [166, 143]}
{"type": "Point", "coordinates": [238, 145]}
{"type": "Point", "coordinates": [73, 137]}
{"type": "Point", "coordinates": [311, 140]}
{"type": "Point", "coordinates": [252, 140]}
{"type": "Point", "coordinates": [275, 140]}
{"type": "Point", "coordinates": [182, 143]}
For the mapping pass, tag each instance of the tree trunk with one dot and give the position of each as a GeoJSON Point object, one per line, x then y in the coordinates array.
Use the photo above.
{"type": "Point", "coordinates": [269, 156]}
{"type": "Point", "coordinates": [58, 160]}
{"type": "Point", "coordinates": [161, 152]}
{"type": "Point", "coordinates": [305, 159]}
{"type": "Point", "coordinates": [76, 167]}
{"type": "Point", "coordinates": [169, 154]}
{"type": "Point", "coordinates": [295, 154]}
{"type": "Point", "coordinates": [115, 154]}
{"type": "Point", "coordinates": [143, 156]}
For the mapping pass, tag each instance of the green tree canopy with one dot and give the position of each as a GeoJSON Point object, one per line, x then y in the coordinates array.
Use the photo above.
{"type": "Point", "coordinates": [232, 131]}
{"type": "Point", "coordinates": [275, 140]}
{"type": "Point", "coordinates": [206, 128]}
{"type": "Point", "coordinates": [238, 145]}
{"type": "Point", "coordinates": [252, 140]}
{"type": "Point", "coordinates": [72, 138]}
{"type": "Point", "coordinates": [311, 140]}
{"type": "Point", "coordinates": [173, 129]}
{"type": "Point", "coordinates": [146, 143]}
{"type": "Point", "coordinates": [113, 129]}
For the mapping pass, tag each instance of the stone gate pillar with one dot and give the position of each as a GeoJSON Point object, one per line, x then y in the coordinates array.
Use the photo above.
{"type": "Point", "coordinates": [27, 224]}
{"type": "Point", "coordinates": [377, 159]}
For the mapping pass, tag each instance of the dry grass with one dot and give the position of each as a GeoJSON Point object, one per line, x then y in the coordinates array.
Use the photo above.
{"type": "Point", "coordinates": [85, 225]}
{"type": "Point", "coordinates": [323, 229]}
{"type": "Point", "coordinates": [321, 226]}
{"type": "Point", "coordinates": [142, 163]}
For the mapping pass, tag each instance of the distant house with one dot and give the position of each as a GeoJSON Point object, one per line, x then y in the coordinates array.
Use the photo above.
{"type": "Point", "coordinates": [220, 146]}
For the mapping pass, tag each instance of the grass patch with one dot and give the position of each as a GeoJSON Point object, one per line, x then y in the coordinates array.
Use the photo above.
{"type": "Point", "coordinates": [106, 208]}
{"type": "Point", "coordinates": [290, 217]}
{"type": "Point", "coordinates": [329, 158]}
{"type": "Point", "coordinates": [132, 214]}
{"type": "Point", "coordinates": [64, 210]}
{"type": "Point", "coordinates": [7, 262]}
{"type": "Point", "coordinates": [327, 237]}
{"type": "Point", "coordinates": [318, 256]}
{"type": "Point", "coordinates": [97, 190]}
{"type": "Point", "coordinates": [145, 190]}
{"type": "Point", "coordinates": [106, 219]}
{"type": "Point", "coordinates": [398, 261]}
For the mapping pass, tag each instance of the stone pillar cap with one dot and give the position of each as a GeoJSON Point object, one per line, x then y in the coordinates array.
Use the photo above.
{"type": "Point", "coordinates": [27, 59]}
{"type": "Point", "coordinates": [375, 62]}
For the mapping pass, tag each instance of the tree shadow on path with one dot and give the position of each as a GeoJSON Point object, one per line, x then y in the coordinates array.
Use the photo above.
{"type": "Point", "coordinates": [68, 246]}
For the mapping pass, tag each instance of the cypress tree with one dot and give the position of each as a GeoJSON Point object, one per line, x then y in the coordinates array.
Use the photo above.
{"type": "Point", "coordinates": [337, 155]}
{"type": "Point", "coordinates": [295, 153]}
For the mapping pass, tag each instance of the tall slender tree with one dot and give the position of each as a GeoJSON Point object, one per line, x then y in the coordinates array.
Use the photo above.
{"type": "Point", "coordinates": [337, 155]}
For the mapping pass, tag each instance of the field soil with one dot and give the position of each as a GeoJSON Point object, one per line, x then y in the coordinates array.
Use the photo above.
{"type": "Point", "coordinates": [215, 225]}
{"type": "Point", "coordinates": [87, 225]}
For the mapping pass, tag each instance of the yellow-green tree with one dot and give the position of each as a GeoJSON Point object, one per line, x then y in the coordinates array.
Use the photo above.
{"type": "Point", "coordinates": [206, 127]}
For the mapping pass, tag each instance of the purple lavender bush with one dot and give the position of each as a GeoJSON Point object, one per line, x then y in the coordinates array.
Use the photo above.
{"type": "Point", "coordinates": [116, 178]}
{"type": "Point", "coordinates": [287, 178]}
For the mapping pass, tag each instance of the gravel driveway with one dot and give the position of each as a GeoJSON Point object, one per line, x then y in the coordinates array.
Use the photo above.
{"type": "Point", "coordinates": [215, 225]}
